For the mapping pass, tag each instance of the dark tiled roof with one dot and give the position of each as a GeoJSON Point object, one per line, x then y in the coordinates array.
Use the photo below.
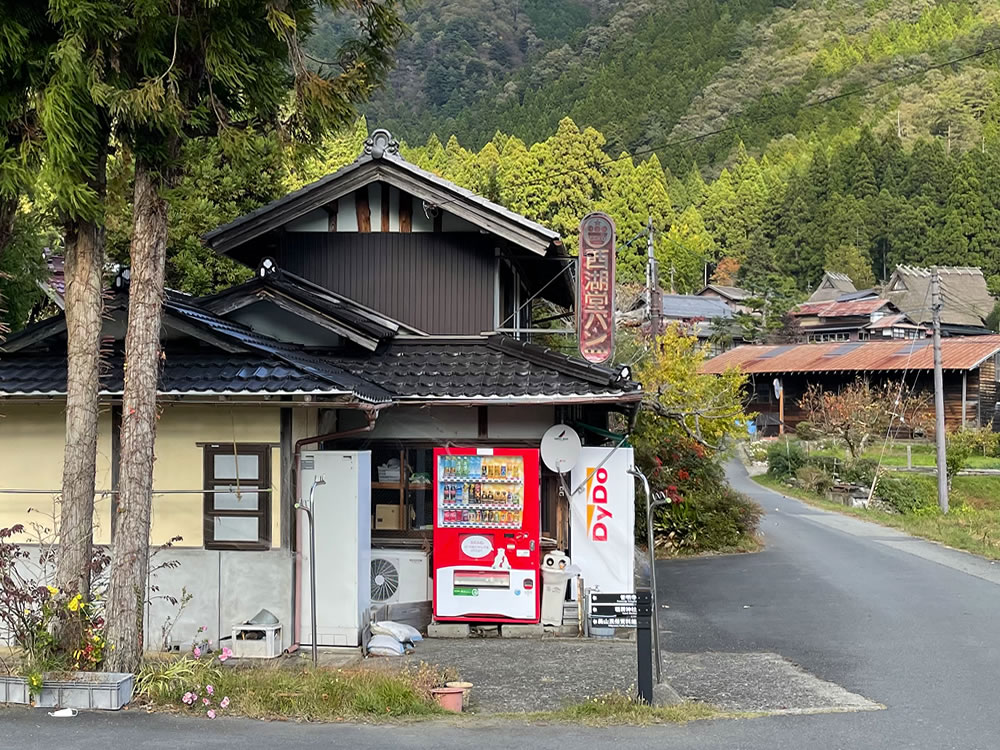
{"type": "Point", "coordinates": [185, 373]}
{"type": "Point", "coordinates": [498, 367]}
{"type": "Point", "coordinates": [304, 362]}
{"type": "Point", "coordinates": [413, 369]}
{"type": "Point", "coordinates": [356, 316]}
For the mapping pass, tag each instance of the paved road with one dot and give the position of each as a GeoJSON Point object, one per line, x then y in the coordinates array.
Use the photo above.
{"type": "Point", "coordinates": [901, 621]}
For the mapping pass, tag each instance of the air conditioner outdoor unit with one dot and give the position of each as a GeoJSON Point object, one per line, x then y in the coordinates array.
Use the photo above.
{"type": "Point", "coordinates": [399, 575]}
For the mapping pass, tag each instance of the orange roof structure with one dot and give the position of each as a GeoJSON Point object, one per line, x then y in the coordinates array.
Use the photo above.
{"type": "Point", "coordinates": [957, 353]}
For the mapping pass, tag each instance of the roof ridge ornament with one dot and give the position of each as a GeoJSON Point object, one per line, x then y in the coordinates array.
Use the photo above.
{"type": "Point", "coordinates": [381, 142]}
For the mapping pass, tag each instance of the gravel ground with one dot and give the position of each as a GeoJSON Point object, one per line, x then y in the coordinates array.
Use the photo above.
{"type": "Point", "coordinates": [757, 682]}
{"type": "Point", "coordinates": [512, 676]}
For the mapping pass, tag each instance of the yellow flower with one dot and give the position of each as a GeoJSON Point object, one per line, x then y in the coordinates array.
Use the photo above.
{"type": "Point", "coordinates": [52, 590]}
{"type": "Point", "coordinates": [74, 603]}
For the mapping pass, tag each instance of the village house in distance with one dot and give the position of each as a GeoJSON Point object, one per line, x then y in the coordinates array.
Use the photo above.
{"type": "Point", "coordinates": [390, 312]}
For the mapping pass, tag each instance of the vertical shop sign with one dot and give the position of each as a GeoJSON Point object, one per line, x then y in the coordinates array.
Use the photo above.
{"type": "Point", "coordinates": [595, 306]}
{"type": "Point", "coordinates": [602, 518]}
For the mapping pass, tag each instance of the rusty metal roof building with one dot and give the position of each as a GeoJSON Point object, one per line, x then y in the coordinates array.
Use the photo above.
{"type": "Point", "coordinates": [841, 308]}
{"type": "Point", "coordinates": [958, 353]}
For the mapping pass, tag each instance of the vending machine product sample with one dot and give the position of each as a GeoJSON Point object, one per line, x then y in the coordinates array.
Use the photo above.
{"type": "Point", "coordinates": [486, 535]}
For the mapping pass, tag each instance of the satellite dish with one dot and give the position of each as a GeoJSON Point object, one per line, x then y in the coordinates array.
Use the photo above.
{"type": "Point", "coordinates": [560, 448]}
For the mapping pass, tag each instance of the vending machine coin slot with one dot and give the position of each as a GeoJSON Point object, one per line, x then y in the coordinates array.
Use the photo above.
{"type": "Point", "coordinates": [483, 579]}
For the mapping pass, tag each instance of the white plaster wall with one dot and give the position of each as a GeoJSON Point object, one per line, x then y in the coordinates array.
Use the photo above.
{"type": "Point", "coordinates": [315, 221]}
{"type": "Point", "coordinates": [347, 214]}
{"type": "Point", "coordinates": [420, 221]}
{"type": "Point", "coordinates": [375, 203]}
{"type": "Point", "coordinates": [393, 209]}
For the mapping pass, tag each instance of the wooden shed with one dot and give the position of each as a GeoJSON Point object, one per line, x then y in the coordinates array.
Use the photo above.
{"type": "Point", "coordinates": [969, 363]}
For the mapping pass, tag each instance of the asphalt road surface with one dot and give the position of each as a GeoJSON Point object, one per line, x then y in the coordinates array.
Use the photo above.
{"type": "Point", "coordinates": [905, 623]}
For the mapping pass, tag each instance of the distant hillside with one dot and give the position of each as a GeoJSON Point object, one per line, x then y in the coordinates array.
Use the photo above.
{"type": "Point", "coordinates": [650, 72]}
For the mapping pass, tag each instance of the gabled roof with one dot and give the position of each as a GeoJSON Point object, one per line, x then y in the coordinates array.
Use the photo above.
{"type": "Point", "coordinates": [183, 313]}
{"type": "Point", "coordinates": [306, 362]}
{"type": "Point", "coordinates": [841, 308]}
{"type": "Point", "coordinates": [965, 300]}
{"type": "Point", "coordinates": [303, 298]}
{"type": "Point", "coordinates": [381, 162]}
{"type": "Point", "coordinates": [831, 286]}
{"type": "Point", "coordinates": [856, 356]}
{"type": "Point", "coordinates": [412, 369]}
{"type": "Point", "coordinates": [691, 306]}
{"type": "Point", "coordinates": [733, 293]}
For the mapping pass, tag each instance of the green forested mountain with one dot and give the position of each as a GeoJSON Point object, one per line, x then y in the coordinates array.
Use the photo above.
{"type": "Point", "coordinates": [768, 140]}
{"type": "Point", "coordinates": [649, 72]}
{"type": "Point", "coordinates": [782, 138]}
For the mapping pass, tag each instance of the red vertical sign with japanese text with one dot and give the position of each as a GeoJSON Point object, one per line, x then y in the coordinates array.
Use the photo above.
{"type": "Point", "coordinates": [595, 298]}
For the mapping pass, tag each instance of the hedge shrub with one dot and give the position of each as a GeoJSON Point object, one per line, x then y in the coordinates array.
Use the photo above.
{"type": "Point", "coordinates": [784, 458]}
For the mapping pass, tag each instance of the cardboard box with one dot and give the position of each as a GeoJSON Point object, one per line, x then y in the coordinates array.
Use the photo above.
{"type": "Point", "coordinates": [387, 517]}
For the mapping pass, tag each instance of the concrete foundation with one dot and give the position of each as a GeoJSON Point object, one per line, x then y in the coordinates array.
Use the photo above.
{"type": "Point", "coordinates": [665, 695]}
{"type": "Point", "coordinates": [448, 630]}
{"type": "Point", "coordinates": [533, 630]}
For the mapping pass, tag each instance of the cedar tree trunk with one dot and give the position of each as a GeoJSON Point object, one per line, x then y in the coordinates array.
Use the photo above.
{"type": "Point", "coordinates": [130, 546]}
{"type": "Point", "coordinates": [8, 209]}
{"type": "Point", "coordinates": [84, 307]}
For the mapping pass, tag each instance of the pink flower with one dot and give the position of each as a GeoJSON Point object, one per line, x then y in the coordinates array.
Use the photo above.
{"type": "Point", "coordinates": [226, 653]}
{"type": "Point", "coordinates": [209, 689]}
{"type": "Point", "coordinates": [224, 703]}
{"type": "Point", "coordinates": [205, 701]}
{"type": "Point", "coordinates": [189, 697]}
{"type": "Point", "coordinates": [211, 714]}
{"type": "Point", "coordinates": [196, 652]}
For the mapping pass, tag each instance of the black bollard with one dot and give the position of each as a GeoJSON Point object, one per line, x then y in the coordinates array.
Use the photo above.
{"type": "Point", "coordinates": [644, 643]}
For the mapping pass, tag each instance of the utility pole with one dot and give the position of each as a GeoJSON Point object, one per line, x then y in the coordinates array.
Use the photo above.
{"type": "Point", "coordinates": [939, 433]}
{"type": "Point", "coordinates": [652, 284]}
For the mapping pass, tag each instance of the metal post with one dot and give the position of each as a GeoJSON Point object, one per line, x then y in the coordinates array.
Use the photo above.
{"type": "Point", "coordinates": [650, 506]}
{"type": "Point", "coordinates": [643, 621]}
{"type": "Point", "coordinates": [312, 585]}
{"type": "Point", "coordinates": [312, 564]}
{"type": "Point", "coordinates": [781, 408]}
{"type": "Point", "coordinates": [939, 428]}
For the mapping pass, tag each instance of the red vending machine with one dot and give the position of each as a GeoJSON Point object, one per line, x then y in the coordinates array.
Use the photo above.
{"type": "Point", "coordinates": [486, 529]}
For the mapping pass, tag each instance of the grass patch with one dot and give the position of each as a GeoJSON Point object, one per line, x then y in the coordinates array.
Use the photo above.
{"type": "Point", "coordinates": [278, 692]}
{"type": "Point", "coordinates": [746, 544]}
{"type": "Point", "coordinates": [973, 524]}
{"type": "Point", "coordinates": [922, 454]}
{"type": "Point", "coordinates": [617, 709]}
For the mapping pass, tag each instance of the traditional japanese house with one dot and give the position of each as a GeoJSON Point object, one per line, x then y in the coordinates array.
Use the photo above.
{"type": "Point", "coordinates": [390, 311]}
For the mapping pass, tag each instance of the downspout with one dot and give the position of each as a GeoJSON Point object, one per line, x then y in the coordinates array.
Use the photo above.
{"type": "Point", "coordinates": [371, 413]}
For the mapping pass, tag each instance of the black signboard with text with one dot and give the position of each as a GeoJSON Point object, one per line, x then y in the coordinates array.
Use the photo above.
{"type": "Point", "coordinates": [614, 610]}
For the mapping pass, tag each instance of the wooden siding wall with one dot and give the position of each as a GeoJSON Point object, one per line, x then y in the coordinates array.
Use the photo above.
{"type": "Point", "coordinates": [439, 283]}
{"type": "Point", "coordinates": [981, 397]}
{"type": "Point", "coordinates": [988, 395]}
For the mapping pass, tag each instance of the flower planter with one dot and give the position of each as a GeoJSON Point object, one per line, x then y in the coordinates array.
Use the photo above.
{"type": "Point", "coordinates": [108, 691]}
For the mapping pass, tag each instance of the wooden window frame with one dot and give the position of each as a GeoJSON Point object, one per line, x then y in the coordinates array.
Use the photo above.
{"type": "Point", "coordinates": [264, 495]}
